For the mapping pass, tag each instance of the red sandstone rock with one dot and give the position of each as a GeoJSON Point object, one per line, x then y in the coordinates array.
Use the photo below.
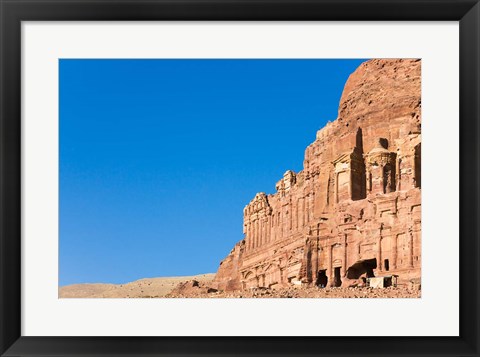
{"type": "Point", "coordinates": [191, 288]}
{"type": "Point", "coordinates": [306, 292]}
{"type": "Point", "coordinates": [355, 208]}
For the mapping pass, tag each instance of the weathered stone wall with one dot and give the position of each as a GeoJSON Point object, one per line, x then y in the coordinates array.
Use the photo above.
{"type": "Point", "coordinates": [355, 208]}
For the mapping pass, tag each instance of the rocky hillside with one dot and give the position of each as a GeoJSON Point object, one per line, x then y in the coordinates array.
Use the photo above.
{"type": "Point", "coordinates": [143, 288]}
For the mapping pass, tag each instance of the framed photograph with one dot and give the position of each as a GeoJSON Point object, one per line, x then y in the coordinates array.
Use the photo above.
{"type": "Point", "coordinates": [239, 177]}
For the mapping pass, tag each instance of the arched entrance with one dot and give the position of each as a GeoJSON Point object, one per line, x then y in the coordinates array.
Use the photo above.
{"type": "Point", "coordinates": [362, 267]}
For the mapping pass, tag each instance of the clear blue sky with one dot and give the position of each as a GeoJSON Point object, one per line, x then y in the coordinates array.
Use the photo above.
{"type": "Point", "coordinates": [159, 157]}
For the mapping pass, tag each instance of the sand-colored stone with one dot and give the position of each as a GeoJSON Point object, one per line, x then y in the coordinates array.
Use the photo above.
{"type": "Point", "coordinates": [355, 208]}
{"type": "Point", "coordinates": [303, 292]}
{"type": "Point", "coordinates": [143, 288]}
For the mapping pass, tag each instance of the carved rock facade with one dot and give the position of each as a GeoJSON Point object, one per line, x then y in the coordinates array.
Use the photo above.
{"type": "Point", "coordinates": [355, 208]}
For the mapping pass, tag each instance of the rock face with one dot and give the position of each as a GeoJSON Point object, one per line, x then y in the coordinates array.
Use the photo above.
{"type": "Point", "coordinates": [354, 211]}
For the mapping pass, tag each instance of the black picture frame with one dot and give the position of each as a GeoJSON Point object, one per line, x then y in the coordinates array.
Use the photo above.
{"type": "Point", "coordinates": [13, 12]}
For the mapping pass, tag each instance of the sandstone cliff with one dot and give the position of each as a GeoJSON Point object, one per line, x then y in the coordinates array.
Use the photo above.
{"type": "Point", "coordinates": [355, 209]}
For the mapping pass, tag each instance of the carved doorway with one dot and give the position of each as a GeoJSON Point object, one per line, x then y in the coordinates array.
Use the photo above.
{"type": "Point", "coordinates": [322, 279]}
{"type": "Point", "coordinates": [337, 279]}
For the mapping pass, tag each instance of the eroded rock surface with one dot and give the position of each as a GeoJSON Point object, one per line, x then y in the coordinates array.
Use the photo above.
{"type": "Point", "coordinates": [303, 292]}
{"type": "Point", "coordinates": [354, 211]}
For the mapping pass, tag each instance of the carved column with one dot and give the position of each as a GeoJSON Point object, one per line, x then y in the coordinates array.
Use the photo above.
{"type": "Point", "coordinates": [303, 212]}
{"type": "Point", "coordinates": [265, 230]}
{"type": "Point", "coordinates": [394, 251]}
{"type": "Point", "coordinates": [311, 204]}
{"type": "Point", "coordinates": [260, 226]}
{"type": "Point", "coordinates": [368, 183]}
{"type": "Point", "coordinates": [344, 267]}
{"type": "Point", "coordinates": [331, 277]}
{"type": "Point", "coordinates": [398, 174]}
{"type": "Point", "coordinates": [336, 187]}
{"type": "Point", "coordinates": [277, 226]}
{"type": "Point", "coordinates": [268, 231]}
{"type": "Point", "coordinates": [379, 251]}
{"type": "Point", "coordinates": [290, 220]}
{"type": "Point", "coordinates": [412, 165]}
{"type": "Point", "coordinates": [297, 214]}
{"type": "Point", "coordinates": [252, 235]}
{"type": "Point", "coordinates": [280, 224]}
{"type": "Point", "coordinates": [350, 188]}
{"type": "Point", "coordinates": [314, 259]}
{"type": "Point", "coordinates": [410, 258]}
{"type": "Point", "coordinates": [274, 227]}
{"type": "Point", "coordinates": [261, 229]}
{"type": "Point", "coordinates": [259, 233]}
{"type": "Point", "coordinates": [293, 216]}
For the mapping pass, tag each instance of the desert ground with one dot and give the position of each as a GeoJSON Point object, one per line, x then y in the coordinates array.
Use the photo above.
{"type": "Point", "coordinates": [196, 289]}
{"type": "Point", "coordinates": [201, 286]}
{"type": "Point", "coordinates": [143, 288]}
{"type": "Point", "coordinates": [307, 292]}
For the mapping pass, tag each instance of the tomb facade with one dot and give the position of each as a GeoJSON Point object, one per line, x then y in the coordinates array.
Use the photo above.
{"type": "Point", "coordinates": [355, 209]}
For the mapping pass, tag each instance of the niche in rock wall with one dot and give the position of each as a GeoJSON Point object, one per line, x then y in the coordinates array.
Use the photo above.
{"type": "Point", "coordinates": [358, 178]}
{"type": "Point", "coordinates": [388, 178]}
{"type": "Point", "coordinates": [381, 165]}
{"type": "Point", "coordinates": [418, 166]}
{"type": "Point", "coordinates": [349, 168]}
{"type": "Point", "coordinates": [357, 167]}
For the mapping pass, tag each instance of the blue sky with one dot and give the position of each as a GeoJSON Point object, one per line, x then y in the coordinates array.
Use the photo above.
{"type": "Point", "coordinates": [159, 157]}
